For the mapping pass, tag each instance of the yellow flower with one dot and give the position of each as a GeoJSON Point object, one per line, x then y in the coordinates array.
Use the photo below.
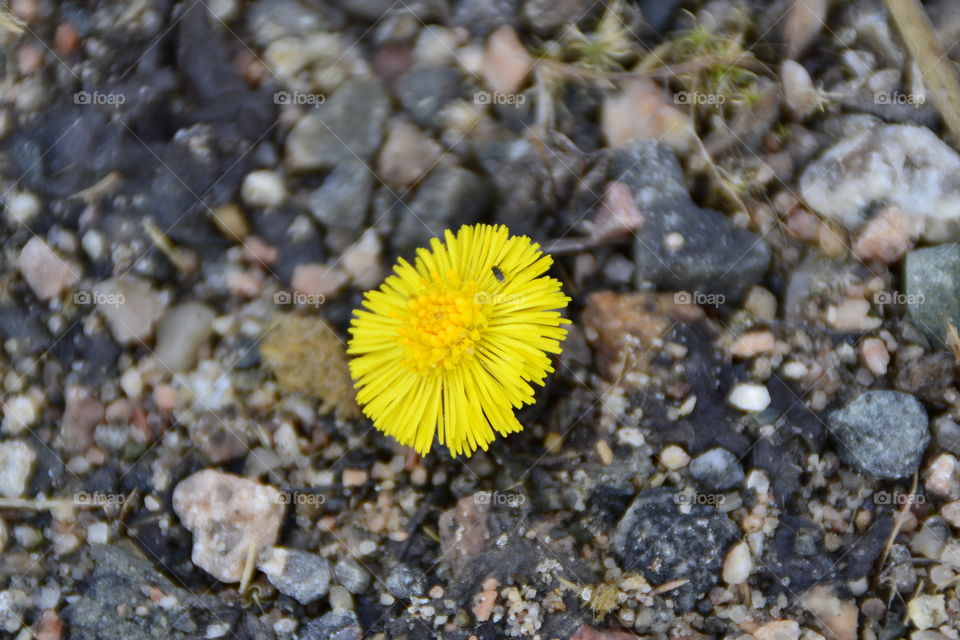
{"type": "Point", "coordinates": [449, 345]}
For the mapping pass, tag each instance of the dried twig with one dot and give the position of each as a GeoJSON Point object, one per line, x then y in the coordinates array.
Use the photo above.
{"type": "Point", "coordinates": [936, 69]}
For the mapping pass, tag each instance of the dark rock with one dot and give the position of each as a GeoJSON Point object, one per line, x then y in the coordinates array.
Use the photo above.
{"type": "Point", "coordinates": [717, 469]}
{"type": "Point", "coordinates": [449, 197]}
{"type": "Point", "coordinates": [946, 434]}
{"type": "Point", "coordinates": [115, 586]}
{"type": "Point", "coordinates": [335, 625]}
{"type": "Point", "coordinates": [406, 582]}
{"type": "Point", "coordinates": [932, 287]}
{"type": "Point", "coordinates": [796, 560]}
{"type": "Point", "coordinates": [23, 329]}
{"type": "Point", "coordinates": [348, 126]}
{"type": "Point", "coordinates": [882, 433]}
{"type": "Point", "coordinates": [341, 201]}
{"type": "Point", "coordinates": [928, 376]}
{"type": "Point", "coordinates": [423, 91]}
{"type": "Point", "coordinates": [483, 16]}
{"type": "Point", "coordinates": [716, 259]}
{"type": "Point", "coordinates": [294, 234]}
{"type": "Point", "coordinates": [654, 537]}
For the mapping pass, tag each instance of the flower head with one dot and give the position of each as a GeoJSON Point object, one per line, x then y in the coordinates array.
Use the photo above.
{"type": "Point", "coordinates": [450, 344]}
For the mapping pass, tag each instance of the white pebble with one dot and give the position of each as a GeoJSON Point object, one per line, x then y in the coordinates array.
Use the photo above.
{"type": "Point", "coordinates": [19, 414]}
{"type": "Point", "coordinates": [23, 207]}
{"type": "Point", "coordinates": [673, 457]}
{"type": "Point", "coordinates": [750, 397]}
{"type": "Point", "coordinates": [738, 565]}
{"type": "Point", "coordinates": [263, 188]}
{"type": "Point", "coordinates": [794, 370]}
{"type": "Point", "coordinates": [98, 533]}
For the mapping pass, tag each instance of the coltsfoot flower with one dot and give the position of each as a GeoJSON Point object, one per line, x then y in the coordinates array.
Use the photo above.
{"type": "Point", "coordinates": [450, 345]}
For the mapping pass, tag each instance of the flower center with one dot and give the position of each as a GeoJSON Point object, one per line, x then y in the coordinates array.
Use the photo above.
{"type": "Point", "coordinates": [444, 324]}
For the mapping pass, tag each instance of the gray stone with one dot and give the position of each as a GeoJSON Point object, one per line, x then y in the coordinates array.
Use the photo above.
{"type": "Point", "coordinates": [904, 165]}
{"type": "Point", "coordinates": [13, 607]}
{"type": "Point", "coordinates": [270, 20]}
{"type": "Point", "coordinates": [406, 581]}
{"type": "Point", "coordinates": [299, 574]}
{"type": "Point", "coordinates": [181, 332]}
{"type": "Point", "coordinates": [103, 607]}
{"type": "Point", "coordinates": [882, 433]}
{"type": "Point", "coordinates": [341, 201]}
{"type": "Point", "coordinates": [932, 287]}
{"type": "Point", "coordinates": [348, 126]}
{"type": "Point", "coordinates": [335, 625]}
{"type": "Point", "coordinates": [717, 261]}
{"type": "Point", "coordinates": [544, 17]}
{"type": "Point", "coordinates": [656, 538]}
{"type": "Point", "coordinates": [352, 575]}
{"type": "Point", "coordinates": [423, 91]}
{"type": "Point", "coordinates": [130, 306]}
{"type": "Point", "coordinates": [946, 434]}
{"type": "Point", "coordinates": [483, 16]}
{"type": "Point", "coordinates": [450, 196]}
{"type": "Point", "coordinates": [717, 469]}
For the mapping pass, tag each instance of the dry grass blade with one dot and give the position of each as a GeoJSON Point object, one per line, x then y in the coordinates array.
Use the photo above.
{"type": "Point", "coordinates": [936, 69]}
{"type": "Point", "coordinates": [10, 22]}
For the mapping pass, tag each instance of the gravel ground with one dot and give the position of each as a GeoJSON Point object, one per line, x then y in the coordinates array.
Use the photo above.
{"type": "Point", "coordinates": [751, 432]}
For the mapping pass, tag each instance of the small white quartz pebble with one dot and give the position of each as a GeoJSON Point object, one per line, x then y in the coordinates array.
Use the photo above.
{"type": "Point", "coordinates": [673, 457]}
{"type": "Point", "coordinates": [738, 564]}
{"type": "Point", "coordinates": [750, 397]}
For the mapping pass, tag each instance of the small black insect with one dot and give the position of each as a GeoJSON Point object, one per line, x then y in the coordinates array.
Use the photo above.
{"type": "Point", "coordinates": [497, 273]}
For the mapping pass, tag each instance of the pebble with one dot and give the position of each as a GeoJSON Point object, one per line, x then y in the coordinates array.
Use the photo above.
{"type": "Point", "coordinates": [20, 412]}
{"type": "Point", "coordinates": [424, 91]}
{"type": "Point", "coordinates": [750, 398]}
{"type": "Point", "coordinates": [263, 188]}
{"type": "Point", "coordinates": [888, 236]}
{"type": "Point", "coordinates": [904, 165]}
{"type": "Point", "coordinates": [778, 630]}
{"type": "Point", "coordinates": [738, 564]}
{"type": "Point", "coordinates": [298, 574]}
{"type": "Point", "coordinates": [852, 315]}
{"type": "Point", "coordinates": [883, 433]}
{"type": "Point", "coordinates": [351, 574]}
{"type": "Point", "coordinates": [181, 332]}
{"type": "Point", "coordinates": [506, 62]}
{"type": "Point", "coordinates": [82, 414]}
{"type": "Point", "coordinates": [800, 94]}
{"type": "Point", "coordinates": [761, 303]}
{"type": "Point", "coordinates": [98, 533]}
{"type": "Point", "coordinates": [334, 625]}
{"type": "Point", "coordinates": [753, 343]}
{"type": "Point", "coordinates": [694, 550]}
{"type": "Point", "coordinates": [341, 201]}
{"type": "Point", "coordinates": [16, 467]}
{"type": "Point", "coordinates": [874, 355]}
{"type": "Point", "coordinates": [227, 514]}
{"type": "Point", "coordinates": [406, 582]}
{"type": "Point", "coordinates": [932, 288]}
{"type": "Point", "coordinates": [47, 273]}
{"type": "Point", "coordinates": [407, 155]}
{"type": "Point", "coordinates": [838, 616]}
{"type": "Point", "coordinates": [641, 113]}
{"type": "Point", "coordinates": [930, 540]}
{"type": "Point", "coordinates": [22, 207]}
{"type": "Point", "coordinates": [950, 512]}
{"type": "Point", "coordinates": [717, 469]}
{"type": "Point", "coordinates": [348, 126]}
{"type": "Point", "coordinates": [361, 261]}
{"type": "Point", "coordinates": [926, 612]}
{"type": "Point", "coordinates": [130, 306]}
{"type": "Point", "coordinates": [13, 607]}
{"type": "Point", "coordinates": [322, 281]}
{"type": "Point", "coordinates": [674, 458]}
{"type": "Point", "coordinates": [940, 477]}
{"type": "Point", "coordinates": [449, 195]}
